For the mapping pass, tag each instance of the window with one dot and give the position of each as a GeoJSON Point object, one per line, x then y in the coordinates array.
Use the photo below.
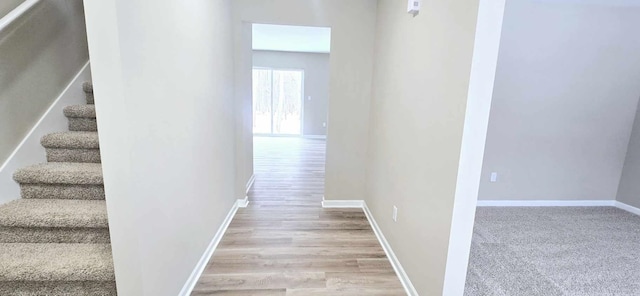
{"type": "Point", "coordinates": [277, 101]}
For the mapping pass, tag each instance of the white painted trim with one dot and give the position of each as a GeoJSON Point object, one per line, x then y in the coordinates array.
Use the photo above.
{"type": "Point", "coordinates": [16, 13]}
{"type": "Point", "coordinates": [202, 263]}
{"type": "Point", "coordinates": [243, 203]}
{"type": "Point", "coordinates": [29, 151]}
{"type": "Point", "coordinates": [397, 267]}
{"type": "Point", "coordinates": [546, 203]}
{"type": "Point", "coordinates": [474, 135]}
{"type": "Point", "coordinates": [260, 135]}
{"type": "Point", "coordinates": [319, 137]}
{"type": "Point", "coordinates": [626, 207]}
{"type": "Point", "coordinates": [250, 183]}
{"type": "Point", "coordinates": [302, 103]}
{"type": "Point", "coordinates": [342, 203]}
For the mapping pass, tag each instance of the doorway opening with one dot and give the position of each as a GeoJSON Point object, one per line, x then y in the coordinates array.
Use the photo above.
{"type": "Point", "coordinates": [290, 80]}
{"type": "Point", "coordinates": [551, 174]}
{"type": "Point", "coordinates": [290, 98]}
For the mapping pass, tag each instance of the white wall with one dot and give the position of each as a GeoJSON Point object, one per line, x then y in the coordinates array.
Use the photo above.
{"type": "Point", "coordinates": [474, 136]}
{"type": "Point", "coordinates": [428, 126]}
{"type": "Point", "coordinates": [242, 64]}
{"type": "Point", "coordinates": [163, 82]}
{"type": "Point", "coordinates": [7, 6]}
{"type": "Point", "coordinates": [352, 41]}
{"type": "Point", "coordinates": [567, 86]}
{"type": "Point", "coordinates": [40, 53]}
{"type": "Point", "coordinates": [30, 151]}
{"type": "Point", "coordinates": [316, 83]}
{"type": "Point", "coordinates": [291, 38]}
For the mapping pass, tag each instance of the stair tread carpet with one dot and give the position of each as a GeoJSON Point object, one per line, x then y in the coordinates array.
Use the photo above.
{"type": "Point", "coordinates": [87, 87]}
{"type": "Point", "coordinates": [55, 239]}
{"type": "Point", "coordinates": [54, 213]}
{"type": "Point", "coordinates": [88, 90]}
{"type": "Point", "coordinates": [71, 140]}
{"type": "Point", "coordinates": [80, 111]}
{"type": "Point", "coordinates": [55, 262]}
{"type": "Point", "coordinates": [61, 173]}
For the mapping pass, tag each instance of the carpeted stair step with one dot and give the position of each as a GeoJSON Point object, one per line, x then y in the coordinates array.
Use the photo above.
{"type": "Point", "coordinates": [56, 269]}
{"type": "Point", "coordinates": [81, 117]}
{"type": "Point", "coordinates": [54, 221]}
{"type": "Point", "coordinates": [88, 90]}
{"type": "Point", "coordinates": [72, 147]}
{"type": "Point", "coordinates": [61, 180]}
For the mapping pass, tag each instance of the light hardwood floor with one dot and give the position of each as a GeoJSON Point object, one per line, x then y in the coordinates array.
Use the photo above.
{"type": "Point", "coordinates": [285, 243]}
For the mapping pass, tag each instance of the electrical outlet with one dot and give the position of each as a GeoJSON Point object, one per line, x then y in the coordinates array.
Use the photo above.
{"type": "Point", "coordinates": [494, 177]}
{"type": "Point", "coordinates": [395, 214]}
{"type": "Point", "coordinates": [324, 124]}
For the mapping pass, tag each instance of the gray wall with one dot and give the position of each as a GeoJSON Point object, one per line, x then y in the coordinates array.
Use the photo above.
{"type": "Point", "coordinates": [420, 89]}
{"type": "Point", "coordinates": [316, 83]}
{"type": "Point", "coordinates": [566, 90]}
{"type": "Point", "coordinates": [242, 64]}
{"type": "Point", "coordinates": [7, 6]}
{"type": "Point", "coordinates": [629, 189]}
{"type": "Point", "coordinates": [39, 55]}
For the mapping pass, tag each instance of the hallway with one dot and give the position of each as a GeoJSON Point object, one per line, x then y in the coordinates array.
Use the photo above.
{"type": "Point", "coordinates": [285, 243]}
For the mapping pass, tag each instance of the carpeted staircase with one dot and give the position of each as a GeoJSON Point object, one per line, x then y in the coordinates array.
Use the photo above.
{"type": "Point", "coordinates": [55, 239]}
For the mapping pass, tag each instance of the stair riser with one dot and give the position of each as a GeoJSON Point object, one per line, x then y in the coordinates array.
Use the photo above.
{"type": "Point", "coordinates": [59, 191]}
{"type": "Point", "coordinates": [54, 235]}
{"type": "Point", "coordinates": [81, 124]}
{"type": "Point", "coordinates": [89, 98]}
{"type": "Point", "coordinates": [86, 288]}
{"type": "Point", "coordinates": [73, 155]}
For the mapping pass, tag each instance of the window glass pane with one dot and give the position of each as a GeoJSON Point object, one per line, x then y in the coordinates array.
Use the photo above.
{"type": "Point", "coordinates": [262, 101]}
{"type": "Point", "coordinates": [287, 101]}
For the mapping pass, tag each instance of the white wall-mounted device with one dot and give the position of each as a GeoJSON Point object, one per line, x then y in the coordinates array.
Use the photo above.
{"type": "Point", "coordinates": [413, 7]}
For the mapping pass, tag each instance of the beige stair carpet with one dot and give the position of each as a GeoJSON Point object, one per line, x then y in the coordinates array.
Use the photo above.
{"type": "Point", "coordinates": [55, 239]}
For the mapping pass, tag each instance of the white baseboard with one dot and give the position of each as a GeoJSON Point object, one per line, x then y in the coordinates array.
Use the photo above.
{"type": "Point", "coordinates": [397, 267]}
{"type": "Point", "coordinates": [202, 263]}
{"type": "Point", "coordinates": [546, 203]}
{"type": "Point", "coordinates": [243, 203]}
{"type": "Point", "coordinates": [319, 137]}
{"type": "Point", "coordinates": [29, 151]}
{"type": "Point", "coordinates": [402, 275]}
{"type": "Point", "coordinates": [343, 203]}
{"type": "Point", "coordinates": [628, 208]}
{"type": "Point", "coordinates": [250, 183]}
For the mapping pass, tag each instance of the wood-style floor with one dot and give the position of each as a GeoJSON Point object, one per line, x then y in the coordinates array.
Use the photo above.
{"type": "Point", "coordinates": [285, 243]}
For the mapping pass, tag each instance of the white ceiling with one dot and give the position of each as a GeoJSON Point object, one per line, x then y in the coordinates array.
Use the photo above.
{"type": "Point", "coordinates": [291, 38]}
